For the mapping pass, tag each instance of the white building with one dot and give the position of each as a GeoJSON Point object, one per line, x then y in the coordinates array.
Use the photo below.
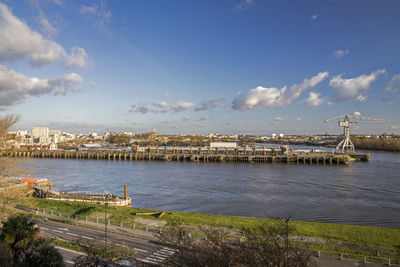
{"type": "Point", "coordinates": [223, 144]}
{"type": "Point", "coordinates": [40, 132]}
{"type": "Point", "coordinates": [55, 136]}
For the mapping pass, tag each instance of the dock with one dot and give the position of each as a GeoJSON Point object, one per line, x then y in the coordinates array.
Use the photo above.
{"type": "Point", "coordinates": [202, 154]}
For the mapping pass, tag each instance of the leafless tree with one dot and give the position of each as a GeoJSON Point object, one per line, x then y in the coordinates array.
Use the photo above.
{"type": "Point", "coordinates": [100, 254]}
{"type": "Point", "coordinates": [264, 245]}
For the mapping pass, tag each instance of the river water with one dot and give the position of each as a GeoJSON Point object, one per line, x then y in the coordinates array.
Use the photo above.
{"type": "Point", "coordinates": [360, 193]}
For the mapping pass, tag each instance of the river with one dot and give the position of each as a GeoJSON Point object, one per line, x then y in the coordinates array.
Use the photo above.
{"type": "Point", "coordinates": [360, 193]}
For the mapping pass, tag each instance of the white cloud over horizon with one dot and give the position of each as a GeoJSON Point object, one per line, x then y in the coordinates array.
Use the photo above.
{"type": "Point", "coordinates": [394, 84]}
{"type": "Point", "coordinates": [162, 107]}
{"type": "Point", "coordinates": [353, 88]}
{"type": "Point", "coordinates": [210, 103]}
{"type": "Point", "coordinates": [261, 97]}
{"type": "Point", "coordinates": [16, 87]}
{"type": "Point", "coordinates": [19, 41]}
{"type": "Point", "coordinates": [314, 99]}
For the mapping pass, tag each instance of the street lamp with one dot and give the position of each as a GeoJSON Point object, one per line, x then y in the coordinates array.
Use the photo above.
{"type": "Point", "coordinates": [107, 195]}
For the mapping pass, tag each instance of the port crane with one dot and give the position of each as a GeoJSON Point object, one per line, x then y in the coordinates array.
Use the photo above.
{"type": "Point", "coordinates": [346, 145]}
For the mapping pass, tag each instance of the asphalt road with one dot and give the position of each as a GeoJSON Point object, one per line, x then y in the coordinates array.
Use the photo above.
{"type": "Point", "coordinates": [147, 250]}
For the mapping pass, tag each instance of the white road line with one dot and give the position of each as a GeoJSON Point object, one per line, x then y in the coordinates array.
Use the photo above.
{"type": "Point", "coordinates": [44, 228]}
{"type": "Point", "coordinates": [158, 256]}
{"type": "Point", "coordinates": [63, 229]}
{"type": "Point", "coordinates": [86, 237]}
{"type": "Point", "coordinates": [72, 234]}
{"type": "Point", "coordinates": [57, 231]}
{"type": "Point", "coordinates": [150, 258]}
{"type": "Point", "coordinates": [70, 250]}
{"type": "Point", "coordinates": [138, 249]}
{"type": "Point", "coordinates": [149, 261]}
{"type": "Point", "coordinates": [70, 262]}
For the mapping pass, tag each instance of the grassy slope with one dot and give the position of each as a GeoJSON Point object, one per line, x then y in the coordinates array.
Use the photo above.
{"type": "Point", "coordinates": [375, 236]}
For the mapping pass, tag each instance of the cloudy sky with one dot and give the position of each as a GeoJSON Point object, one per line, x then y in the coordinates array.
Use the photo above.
{"type": "Point", "coordinates": [229, 66]}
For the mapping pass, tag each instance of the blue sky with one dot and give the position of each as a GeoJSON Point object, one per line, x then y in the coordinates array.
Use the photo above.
{"type": "Point", "coordinates": [228, 66]}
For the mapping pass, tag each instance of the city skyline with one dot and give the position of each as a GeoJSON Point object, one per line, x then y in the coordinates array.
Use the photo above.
{"type": "Point", "coordinates": [239, 66]}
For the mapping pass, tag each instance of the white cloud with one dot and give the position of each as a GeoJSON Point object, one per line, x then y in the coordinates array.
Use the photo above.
{"type": "Point", "coordinates": [353, 88]}
{"type": "Point", "coordinates": [102, 14]}
{"type": "Point", "coordinates": [314, 17]}
{"type": "Point", "coordinates": [18, 41]}
{"type": "Point", "coordinates": [162, 107]}
{"type": "Point", "coordinates": [77, 58]}
{"type": "Point", "coordinates": [243, 4]}
{"type": "Point", "coordinates": [357, 113]}
{"type": "Point", "coordinates": [210, 103]}
{"type": "Point", "coordinates": [261, 97]}
{"type": "Point", "coordinates": [92, 84]}
{"type": "Point", "coordinates": [16, 87]}
{"type": "Point", "coordinates": [296, 90]}
{"type": "Point", "coordinates": [314, 99]}
{"type": "Point", "coordinates": [298, 119]}
{"type": "Point", "coordinates": [166, 94]}
{"type": "Point", "coordinates": [361, 98]}
{"type": "Point", "coordinates": [279, 119]}
{"type": "Point", "coordinates": [92, 10]}
{"type": "Point", "coordinates": [47, 27]}
{"type": "Point", "coordinates": [394, 84]}
{"type": "Point", "coordinates": [340, 53]}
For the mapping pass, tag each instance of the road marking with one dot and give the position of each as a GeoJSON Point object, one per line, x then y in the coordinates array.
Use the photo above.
{"type": "Point", "coordinates": [70, 250]}
{"type": "Point", "coordinates": [63, 229]}
{"type": "Point", "coordinates": [70, 262]}
{"type": "Point", "coordinates": [86, 237]}
{"type": "Point", "coordinates": [160, 255]}
{"type": "Point", "coordinates": [138, 249]}
{"type": "Point", "coordinates": [44, 228]}
{"type": "Point", "coordinates": [72, 234]}
{"type": "Point", "coordinates": [56, 231]}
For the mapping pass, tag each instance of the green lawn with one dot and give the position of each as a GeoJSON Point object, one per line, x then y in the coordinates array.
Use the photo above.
{"type": "Point", "coordinates": [371, 236]}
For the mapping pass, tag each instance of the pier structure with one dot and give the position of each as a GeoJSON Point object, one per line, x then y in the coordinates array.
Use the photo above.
{"type": "Point", "coordinates": [202, 154]}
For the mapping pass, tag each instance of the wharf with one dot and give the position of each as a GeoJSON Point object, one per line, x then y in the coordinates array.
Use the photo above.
{"type": "Point", "coordinates": [200, 155]}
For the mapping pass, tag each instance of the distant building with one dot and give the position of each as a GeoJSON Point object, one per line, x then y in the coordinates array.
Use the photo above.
{"type": "Point", "coordinates": [40, 132]}
{"type": "Point", "coordinates": [223, 144]}
{"type": "Point", "coordinates": [90, 147]}
{"type": "Point", "coordinates": [55, 136]}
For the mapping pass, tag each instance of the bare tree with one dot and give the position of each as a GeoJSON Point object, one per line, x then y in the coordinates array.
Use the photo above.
{"type": "Point", "coordinates": [264, 245]}
{"type": "Point", "coordinates": [7, 166]}
{"type": "Point", "coordinates": [100, 254]}
{"type": "Point", "coordinates": [6, 122]}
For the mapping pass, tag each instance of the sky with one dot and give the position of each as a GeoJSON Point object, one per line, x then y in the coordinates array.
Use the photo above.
{"type": "Point", "coordinates": [199, 67]}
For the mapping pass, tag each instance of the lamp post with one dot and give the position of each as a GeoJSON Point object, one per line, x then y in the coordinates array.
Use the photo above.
{"type": "Point", "coordinates": [107, 195]}
{"type": "Point", "coordinates": [287, 240]}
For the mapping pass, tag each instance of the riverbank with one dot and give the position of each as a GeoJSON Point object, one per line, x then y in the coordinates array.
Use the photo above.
{"type": "Point", "coordinates": [132, 217]}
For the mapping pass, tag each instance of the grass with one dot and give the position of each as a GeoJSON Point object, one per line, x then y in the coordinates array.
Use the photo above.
{"type": "Point", "coordinates": [365, 235]}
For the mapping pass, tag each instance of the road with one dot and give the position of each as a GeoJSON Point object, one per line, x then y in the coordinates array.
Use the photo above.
{"type": "Point", "coordinates": [146, 247]}
{"type": "Point", "coordinates": [147, 250]}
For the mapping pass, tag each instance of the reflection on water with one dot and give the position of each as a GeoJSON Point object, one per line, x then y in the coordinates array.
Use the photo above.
{"type": "Point", "coordinates": [361, 193]}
